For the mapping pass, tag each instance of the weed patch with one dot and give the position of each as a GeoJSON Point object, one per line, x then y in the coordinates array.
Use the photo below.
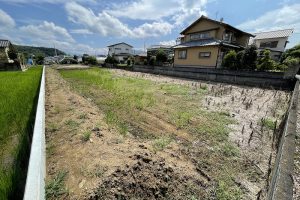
{"type": "Point", "coordinates": [55, 188]}
{"type": "Point", "coordinates": [161, 143]}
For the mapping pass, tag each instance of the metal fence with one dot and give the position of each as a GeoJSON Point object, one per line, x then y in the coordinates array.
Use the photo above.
{"type": "Point", "coordinates": [35, 182]}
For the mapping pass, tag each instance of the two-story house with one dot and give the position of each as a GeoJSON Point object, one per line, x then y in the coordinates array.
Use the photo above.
{"type": "Point", "coordinates": [120, 51]}
{"type": "Point", "coordinates": [275, 41]}
{"type": "Point", "coordinates": [205, 42]}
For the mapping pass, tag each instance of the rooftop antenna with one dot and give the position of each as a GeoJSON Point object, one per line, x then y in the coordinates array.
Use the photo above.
{"type": "Point", "coordinates": [222, 19]}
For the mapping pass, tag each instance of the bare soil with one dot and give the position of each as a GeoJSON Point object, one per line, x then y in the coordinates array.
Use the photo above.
{"type": "Point", "coordinates": [110, 166]}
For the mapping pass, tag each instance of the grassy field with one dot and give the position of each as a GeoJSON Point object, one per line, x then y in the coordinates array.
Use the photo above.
{"type": "Point", "coordinates": [18, 97]}
{"type": "Point", "coordinates": [148, 110]}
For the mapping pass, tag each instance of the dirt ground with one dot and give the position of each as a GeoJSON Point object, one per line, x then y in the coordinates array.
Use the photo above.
{"type": "Point", "coordinates": [110, 166]}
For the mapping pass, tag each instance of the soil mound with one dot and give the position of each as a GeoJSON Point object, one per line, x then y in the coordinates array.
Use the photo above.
{"type": "Point", "coordinates": [148, 178]}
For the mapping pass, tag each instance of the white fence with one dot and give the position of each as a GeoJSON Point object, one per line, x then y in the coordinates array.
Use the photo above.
{"type": "Point", "coordinates": [35, 182]}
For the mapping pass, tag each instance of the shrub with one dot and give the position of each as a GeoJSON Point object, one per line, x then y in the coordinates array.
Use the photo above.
{"type": "Point", "coordinates": [230, 60]}
{"type": "Point", "coordinates": [239, 59]}
{"type": "Point", "coordinates": [152, 60]}
{"type": "Point", "coordinates": [249, 58]}
{"type": "Point", "coordinates": [90, 60]}
{"type": "Point", "coordinates": [266, 63]}
{"type": "Point", "coordinates": [161, 56]}
{"type": "Point", "coordinates": [111, 60]}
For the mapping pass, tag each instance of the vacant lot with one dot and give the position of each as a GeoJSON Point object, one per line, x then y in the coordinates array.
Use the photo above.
{"type": "Point", "coordinates": [113, 134]}
{"type": "Point", "coordinates": [18, 93]}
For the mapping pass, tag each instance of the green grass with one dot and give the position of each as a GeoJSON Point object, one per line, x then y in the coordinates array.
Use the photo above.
{"type": "Point", "coordinates": [269, 123]}
{"type": "Point", "coordinates": [55, 188]}
{"type": "Point", "coordinates": [19, 91]}
{"type": "Point", "coordinates": [86, 136]}
{"type": "Point", "coordinates": [161, 143]}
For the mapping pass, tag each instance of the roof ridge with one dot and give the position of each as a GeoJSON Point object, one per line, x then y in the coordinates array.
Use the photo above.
{"type": "Point", "coordinates": [275, 30]}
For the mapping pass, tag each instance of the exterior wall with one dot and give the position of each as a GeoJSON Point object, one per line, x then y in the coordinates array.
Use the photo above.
{"type": "Point", "coordinates": [212, 33]}
{"type": "Point", "coordinates": [280, 45]}
{"type": "Point", "coordinates": [124, 49]}
{"type": "Point", "coordinates": [193, 59]}
{"type": "Point", "coordinates": [3, 55]}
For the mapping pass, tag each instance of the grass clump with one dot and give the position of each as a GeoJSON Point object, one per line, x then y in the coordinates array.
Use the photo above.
{"type": "Point", "coordinates": [227, 190]}
{"type": "Point", "coordinates": [55, 188]}
{"type": "Point", "coordinates": [182, 119]}
{"type": "Point", "coordinates": [72, 124]}
{"type": "Point", "coordinates": [18, 99]}
{"type": "Point", "coordinates": [267, 122]}
{"type": "Point", "coordinates": [161, 143]}
{"type": "Point", "coordinates": [86, 136]}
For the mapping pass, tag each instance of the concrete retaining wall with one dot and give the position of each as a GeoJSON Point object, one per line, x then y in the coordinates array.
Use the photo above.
{"type": "Point", "coordinates": [281, 185]}
{"type": "Point", "coordinates": [250, 78]}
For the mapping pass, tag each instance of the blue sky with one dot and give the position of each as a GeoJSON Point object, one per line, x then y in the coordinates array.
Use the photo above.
{"type": "Point", "coordinates": [88, 26]}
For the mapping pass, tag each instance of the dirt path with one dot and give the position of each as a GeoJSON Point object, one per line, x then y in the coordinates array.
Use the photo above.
{"type": "Point", "coordinates": [80, 143]}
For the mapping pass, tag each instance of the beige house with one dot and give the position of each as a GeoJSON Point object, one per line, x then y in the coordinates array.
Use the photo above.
{"type": "Point", "coordinates": [205, 42]}
{"type": "Point", "coordinates": [275, 41]}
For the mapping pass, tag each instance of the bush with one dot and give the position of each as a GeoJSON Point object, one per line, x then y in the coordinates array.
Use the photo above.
{"type": "Point", "coordinates": [111, 60]}
{"type": "Point", "coordinates": [161, 56]}
{"type": "Point", "coordinates": [249, 58]}
{"type": "Point", "coordinates": [293, 52]}
{"type": "Point", "coordinates": [239, 59]}
{"type": "Point", "coordinates": [266, 63]}
{"type": "Point", "coordinates": [152, 60]}
{"type": "Point", "coordinates": [90, 60]}
{"type": "Point", "coordinates": [230, 60]}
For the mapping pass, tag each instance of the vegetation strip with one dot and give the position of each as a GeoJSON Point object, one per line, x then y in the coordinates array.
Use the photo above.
{"type": "Point", "coordinates": [18, 104]}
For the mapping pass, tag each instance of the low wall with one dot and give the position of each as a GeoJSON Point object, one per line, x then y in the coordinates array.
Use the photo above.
{"type": "Point", "coordinates": [250, 78]}
{"type": "Point", "coordinates": [281, 185]}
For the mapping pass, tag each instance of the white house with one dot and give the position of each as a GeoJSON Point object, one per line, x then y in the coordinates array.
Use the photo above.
{"type": "Point", "coordinates": [275, 41]}
{"type": "Point", "coordinates": [121, 51]}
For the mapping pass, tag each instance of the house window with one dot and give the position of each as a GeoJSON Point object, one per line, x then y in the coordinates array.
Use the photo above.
{"type": "Point", "coordinates": [127, 49]}
{"type": "Point", "coordinates": [227, 36]}
{"type": "Point", "coordinates": [272, 44]}
{"type": "Point", "coordinates": [198, 36]}
{"type": "Point", "coordinates": [182, 54]}
{"type": "Point", "coordinates": [204, 54]}
{"type": "Point", "coordinates": [117, 48]}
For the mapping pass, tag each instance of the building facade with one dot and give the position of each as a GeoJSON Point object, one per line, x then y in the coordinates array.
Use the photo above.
{"type": "Point", "coordinates": [5, 45]}
{"type": "Point", "coordinates": [205, 42]}
{"type": "Point", "coordinates": [120, 51]}
{"type": "Point", "coordinates": [275, 41]}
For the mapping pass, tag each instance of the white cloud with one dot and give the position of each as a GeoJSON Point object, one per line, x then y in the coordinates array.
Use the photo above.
{"type": "Point", "coordinates": [81, 31]}
{"type": "Point", "coordinates": [6, 21]}
{"type": "Point", "coordinates": [179, 10]}
{"type": "Point", "coordinates": [107, 25]}
{"type": "Point", "coordinates": [169, 42]}
{"type": "Point", "coordinates": [285, 17]}
{"type": "Point", "coordinates": [47, 1]}
{"type": "Point", "coordinates": [47, 31]}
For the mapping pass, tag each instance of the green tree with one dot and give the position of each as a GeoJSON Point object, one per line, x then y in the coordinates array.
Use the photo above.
{"type": "Point", "coordinates": [249, 57]}
{"type": "Point", "coordinates": [266, 63]}
{"type": "Point", "coordinates": [230, 60]}
{"type": "Point", "coordinates": [12, 53]}
{"type": "Point", "coordinates": [39, 59]}
{"type": "Point", "coordinates": [152, 60]}
{"type": "Point", "coordinates": [161, 56]}
{"type": "Point", "coordinates": [292, 52]}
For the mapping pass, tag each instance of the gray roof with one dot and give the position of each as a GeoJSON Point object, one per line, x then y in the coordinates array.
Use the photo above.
{"type": "Point", "coordinates": [4, 43]}
{"type": "Point", "coordinates": [120, 43]}
{"type": "Point", "coordinates": [159, 46]}
{"type": "Point", "coordinates": [273, 34]}
{"type": "Point", "coordinates": [202, 43]}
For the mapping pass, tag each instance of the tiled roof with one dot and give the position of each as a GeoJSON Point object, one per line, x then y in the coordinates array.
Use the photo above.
{"type": "Point", "coordinates": [202, 43]}
{"type": "Point", "coordinates": [120, 43]}
{"type": "Point", "coordinates": [273, 34]}
{"type": "Point", "coordinates": [4, 43]}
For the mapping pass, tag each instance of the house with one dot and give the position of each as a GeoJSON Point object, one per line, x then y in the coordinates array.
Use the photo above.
{"type": "Point", "coordinates": [205, 42]}
{"type": "Point", "coordinates": [275, 41]}
{"type": "Point", "coordinates": [120, 51]}
{"type": "Point", "coordinates": [140, 59]}
{"type": "Point", "coordinates": [5, 45]}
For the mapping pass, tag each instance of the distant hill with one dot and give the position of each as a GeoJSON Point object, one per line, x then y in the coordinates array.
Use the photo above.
{"type": "Point", "coordinates": [28, 50]}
